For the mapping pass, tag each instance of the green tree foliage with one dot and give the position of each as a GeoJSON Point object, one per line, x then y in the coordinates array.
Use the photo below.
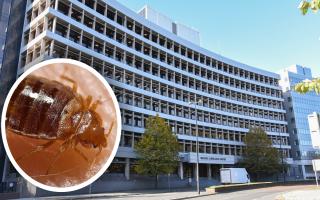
{"type": "Point", "coordinates": [308, 86]}
{"type": "Point", "coordinates": [313, 85]}
{"type": "Point", "coordinates": [260, 158]}
{"type": "Point", "coordinates": [306, 5]}
{"type": "Point", "coordinates": [158, 149]}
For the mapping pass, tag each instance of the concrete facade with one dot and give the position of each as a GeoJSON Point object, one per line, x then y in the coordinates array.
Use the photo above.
{"type": "Point", "coordinates": [154, 71]}
{"type": "Point", "coordinates": [168, 24]}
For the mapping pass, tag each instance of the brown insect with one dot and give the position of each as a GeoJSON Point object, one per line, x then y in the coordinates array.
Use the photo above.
{"type": "Point", "coordinates": [46, 109]}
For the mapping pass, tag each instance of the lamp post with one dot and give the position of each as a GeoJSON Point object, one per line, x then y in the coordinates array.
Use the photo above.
{"type": "Point", "coordinates": [195, 103]}
{"type": "Point", "coordinates": [282, 163]}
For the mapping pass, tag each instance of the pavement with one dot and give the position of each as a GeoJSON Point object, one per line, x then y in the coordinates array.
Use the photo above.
{"type": "Point", "coordinates": [135, 195]}
{"type": "Point", "coordinates": [268, 193]}
{"type": "Point", "coordinates": [296, 192]}
{"type": "Point", "coordinates": [307, 194]}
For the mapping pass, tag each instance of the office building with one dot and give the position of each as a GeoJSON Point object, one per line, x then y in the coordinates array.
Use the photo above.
{"type": "Point", "coordinates": [155, 67]}
{"type": "Point", "coordinates": [298, 107]}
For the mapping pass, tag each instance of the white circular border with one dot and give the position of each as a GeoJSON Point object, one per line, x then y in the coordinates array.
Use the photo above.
{"type": "Point", "coordinates": [3, 130]}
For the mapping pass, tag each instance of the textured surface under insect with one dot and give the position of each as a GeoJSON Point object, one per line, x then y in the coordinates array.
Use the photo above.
{"type": "Point", "coordinates": [69, 169]}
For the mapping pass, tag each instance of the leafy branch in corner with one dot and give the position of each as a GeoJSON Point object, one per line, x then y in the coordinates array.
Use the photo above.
{"type": "Point", "coordinates": [313, 5]}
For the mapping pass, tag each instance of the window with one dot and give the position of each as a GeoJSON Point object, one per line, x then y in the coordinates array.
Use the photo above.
{"type": "Point", "coordinates": [88, 20]}
{"type": "Point", "coordinates": [86, 41]}
{"type": "Point", "coordinates": [100, 8]}
{"type": "Point", "coordinates": [111, 13]}
{"type": "Point", "coordinates": [89, 3]}
{"type": "Point", "coordinates": [63, 8]}
{"type": "Point", "coordinates": [99, 27]}
{"type": "Point", "coordinates": [74, 35]}
{"type": "Point", "coordinates": [61, 29]}
{"type": "Point", "coordinates": [76, 14]}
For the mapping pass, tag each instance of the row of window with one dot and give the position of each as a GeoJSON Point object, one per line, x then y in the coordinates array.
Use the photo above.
{"type": "Point", "coordinates": [182, 80]}
{"type": "Point", "coordinates": [150, 85]}
{"type": "Point", "coordinates": [152, 35]}
{"type": "Point", "coordinates": [88, 41]}
{"type": "Point", "coordinates": [160, 71]}
{"type": "Point", "coordinates": [142, 82]}
{"type": "Point", "coordinates": [208, 117]}
{"type": "Point", "coordinates": [121, 75]}
{"type": "Point", "coordinates": [112, 14]}
{"type": "Point", "coordinates": [130, 139]}
{"type": "Point", "coordinates": [137, 121]}
{"type": "Point", "coordinates": [187, 112]}
{"type": "Point", "coordinates": [146, 101]}
{"type": "Point", "coordinates": [155, 87]}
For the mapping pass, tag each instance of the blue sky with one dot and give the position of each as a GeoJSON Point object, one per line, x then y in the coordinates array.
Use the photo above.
{"type": "Point", "coordinates": [269, 34]}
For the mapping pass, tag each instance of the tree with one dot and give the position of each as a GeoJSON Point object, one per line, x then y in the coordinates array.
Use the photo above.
{"type": "Point", "coordinates": [308, 86]}
{"type": "Point", "coordinates": [313, 85]}
{"type": "Point", "coordinates": [157, 150]}
{"type": "Point", "coordinates": [305, 6]}
{"type": "Point", "coordinates": [260, 158]}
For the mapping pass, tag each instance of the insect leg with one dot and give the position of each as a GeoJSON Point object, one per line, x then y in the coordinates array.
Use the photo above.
{"type": "Point", "coordinates": [95, 158]}
{"type": "Point", "coordinates": [95, 105]}
{"type": "Point", "coordinates": [81, 154]}
{"type": "Point", "coordinates": [67, 144]}
{"type": "Point", "coordinates": [38, 148]}
{"type": "Point", "coordinates": [74, 144]}
{"type": "Point", "coordinates": [74, 84]}
{"type": "Point", "coordinates": [88, 101]}
{"type": "Point", "coordinates": [110, 128]}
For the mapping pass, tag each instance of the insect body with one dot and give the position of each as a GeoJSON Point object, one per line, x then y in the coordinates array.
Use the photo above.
{"type": "Point", "coordinates": [45, 109]}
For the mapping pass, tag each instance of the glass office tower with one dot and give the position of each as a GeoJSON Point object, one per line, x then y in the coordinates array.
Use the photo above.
{"type": "Point", "coordinates": [298, 107]}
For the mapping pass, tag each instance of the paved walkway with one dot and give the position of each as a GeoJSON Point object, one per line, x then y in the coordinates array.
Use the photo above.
{"type": "Point", "coordinates": [295, 192]}
{"type": "Point", "coordinates": [312, 193]}
{"type": "Point", "coordinates": [138, 195]}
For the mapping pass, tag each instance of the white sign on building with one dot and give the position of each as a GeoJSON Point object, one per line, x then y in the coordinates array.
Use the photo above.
{"type": "Point", "coordinates": [208, 158]}
{"type": "Point", "coordinates": [316, 168]}
{"type": "Point", "coordinates": [314, 126]}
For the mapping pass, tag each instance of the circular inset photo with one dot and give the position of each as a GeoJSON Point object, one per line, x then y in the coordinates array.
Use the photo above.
{"type": "Point", "coordinates": [61, 125]}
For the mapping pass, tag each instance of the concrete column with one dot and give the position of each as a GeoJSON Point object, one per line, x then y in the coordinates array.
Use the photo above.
{"type": "Point", "coordinates": [51, 48]}
{"type": "Point", "coordinates": [56, 5]}
{"type": "Point", "coordinates": [181, 170]}
{"type": "Point", "coordinates": [5, 169]}
{"type": "Point", "coordinates": [195, 171]}
{"type": "Point", "coordinates": [303, 172]}
{"type": "Point", "coordinates": [127, 169]}
{"type": "Point", "coordinates": [209, 172]}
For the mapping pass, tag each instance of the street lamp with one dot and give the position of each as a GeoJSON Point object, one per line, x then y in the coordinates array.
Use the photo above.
{"type": "Point", "coordinates": [195, 103]}
{"type": "Point", "coordinates": [282, 163]}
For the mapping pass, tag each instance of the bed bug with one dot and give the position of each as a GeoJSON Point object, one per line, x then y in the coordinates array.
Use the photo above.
{"type": "Point", "coordinates": [46, 109]}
